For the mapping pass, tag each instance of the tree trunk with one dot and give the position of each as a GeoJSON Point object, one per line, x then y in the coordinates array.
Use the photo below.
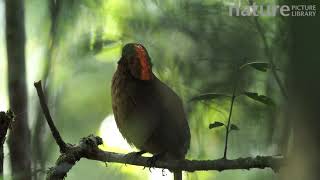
{"type": "Point", "coordinates": [19, 139]}
{"type": "Point", "coordinates": [304, 97]}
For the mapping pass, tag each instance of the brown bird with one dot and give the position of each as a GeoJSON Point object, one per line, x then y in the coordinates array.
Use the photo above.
{"type": "Point", "coordinates": [148, 113]}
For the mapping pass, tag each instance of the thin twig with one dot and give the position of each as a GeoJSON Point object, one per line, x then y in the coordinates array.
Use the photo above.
{"type": "Point", "coordinates": [55, 133]}
{"type": "Point", "coordinates": [229, 120]}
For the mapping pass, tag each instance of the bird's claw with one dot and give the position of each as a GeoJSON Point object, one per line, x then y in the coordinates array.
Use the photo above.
{"type": "Point", "coordinates": [151, 162]}
{"type": "Point", "coordinates": [130, 157]}
{"type": "Point", "coordinates": [163, 172]}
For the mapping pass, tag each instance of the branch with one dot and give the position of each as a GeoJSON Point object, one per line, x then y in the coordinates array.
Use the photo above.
{"type": "Point", "coordinates": [5, 122]}
{"type": "Point", "coordinates": [88, 148]}
{"type": "Point", "coordinates": [55, 133]}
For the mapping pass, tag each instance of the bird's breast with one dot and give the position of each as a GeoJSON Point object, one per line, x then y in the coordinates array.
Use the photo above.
{"type": "Point", "coordinates": [121, 102]}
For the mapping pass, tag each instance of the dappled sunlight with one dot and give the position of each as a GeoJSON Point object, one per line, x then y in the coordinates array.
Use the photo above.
{"type": "Point", "coordinates": [3, 95]}
{"type": "Point", "coordinates": [158, 174]}
{"type": "Point", "coordinates": [3, 104]}
{"type": "Point", "coordinates": [110, 53]}
{"type": "Point", "coordinates": [112, 139]}
{"type": "Point", "coordinates": [3, 64]}
{"type": "Point", "coordinates": [113, 31]}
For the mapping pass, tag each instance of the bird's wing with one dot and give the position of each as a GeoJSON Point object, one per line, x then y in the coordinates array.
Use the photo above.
{"type": "Point", "coordinates": [157, 121]}
{"type": "Point", "coordinates": [144, 115]}
{"type": "Point", "coordinates": [173, 131]}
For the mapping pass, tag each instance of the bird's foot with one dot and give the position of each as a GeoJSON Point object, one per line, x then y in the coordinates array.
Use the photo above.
{"type": "Point", "coordinates": [152, 160]}
{"type": "Point", "coordinates": [133, 155]}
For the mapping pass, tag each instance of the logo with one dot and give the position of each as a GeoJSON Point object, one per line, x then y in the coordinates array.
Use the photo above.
{"type": "Point", "coordinates": [273, 10]}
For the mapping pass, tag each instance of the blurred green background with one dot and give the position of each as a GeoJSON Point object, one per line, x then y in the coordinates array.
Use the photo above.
{"type": "Point", "coordinates": [195, 48]}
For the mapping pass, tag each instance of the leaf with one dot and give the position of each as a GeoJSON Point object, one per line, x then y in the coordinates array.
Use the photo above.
{"type": "Point", "coordinates": [260, 98]}
{"type": "Point", "coordinates": [209, 96]}
{"type": "Point", "coordinates": [215, 125]}
{"type": "Point", "coordinates": [260, 66]}
{"type": "Point", "coordinates": [234, 127]}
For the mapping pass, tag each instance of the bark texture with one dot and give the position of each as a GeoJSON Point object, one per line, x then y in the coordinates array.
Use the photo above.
{"type": "Point", "coordinates": [19, 139]}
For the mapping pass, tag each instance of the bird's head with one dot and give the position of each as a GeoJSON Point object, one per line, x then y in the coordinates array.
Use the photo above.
{"type": "Point", "coordinates": [136, 58]}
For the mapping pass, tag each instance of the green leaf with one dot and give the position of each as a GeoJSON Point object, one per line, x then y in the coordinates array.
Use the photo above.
{"type": "Point", "coordinates": [260, 66]}
{"type": "Point", "coordinates": [260, 98]}
{"type": "Point", "coordinates": [209, 96]}
{"type": "Point", "coordinates": [215, 125]}
{"type": "Point", "coordinates": [234, 127]}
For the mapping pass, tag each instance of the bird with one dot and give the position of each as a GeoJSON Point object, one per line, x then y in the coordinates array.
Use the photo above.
{"type": "Point", "coordinates": [148, 113]}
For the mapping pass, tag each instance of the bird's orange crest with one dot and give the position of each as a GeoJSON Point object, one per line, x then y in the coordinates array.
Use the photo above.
{"type": "Point", "coordinates": [145, 69]}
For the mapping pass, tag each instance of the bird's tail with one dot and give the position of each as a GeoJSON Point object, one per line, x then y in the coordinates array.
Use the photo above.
{"type": "Point", "coordinates": [177, 175]}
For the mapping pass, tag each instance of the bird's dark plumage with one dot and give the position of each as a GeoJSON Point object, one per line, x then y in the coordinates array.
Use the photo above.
{"type": "Point", "coordinates": [148, 113]}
